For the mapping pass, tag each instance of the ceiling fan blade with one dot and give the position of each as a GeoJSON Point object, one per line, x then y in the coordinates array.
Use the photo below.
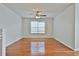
{"type": "Point", "coordinates": [43, 15]}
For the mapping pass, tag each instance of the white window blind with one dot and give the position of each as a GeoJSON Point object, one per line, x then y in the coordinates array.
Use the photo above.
{"type": "Point", "coordinates": [37, 27]}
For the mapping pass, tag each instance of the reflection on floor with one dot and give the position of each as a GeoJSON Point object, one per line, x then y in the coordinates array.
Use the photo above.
{"type": "Point", "coordinates": [39, 47]}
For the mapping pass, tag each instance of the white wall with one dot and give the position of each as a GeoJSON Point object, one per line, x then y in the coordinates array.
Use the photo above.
{"type": "Point", "coordinates": [77, 27]}
{"type": "Point", "coordinates": [11, 22]}
{"type": "Point", "coordinates": [64, 27]}
{"type": "Point", "coordinates": [26, 30]}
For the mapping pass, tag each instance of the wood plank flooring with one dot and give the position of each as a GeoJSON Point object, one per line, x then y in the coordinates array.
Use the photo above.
{"type": "Point", "coordinates": [52, 48]}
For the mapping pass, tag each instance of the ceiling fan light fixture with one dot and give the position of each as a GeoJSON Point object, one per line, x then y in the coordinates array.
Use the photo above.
{"type": "Point", "coordinates": [37, 17]}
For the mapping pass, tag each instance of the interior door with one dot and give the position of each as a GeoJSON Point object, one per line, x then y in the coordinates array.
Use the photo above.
{"type": "Point", "coordinates": [0, 42]}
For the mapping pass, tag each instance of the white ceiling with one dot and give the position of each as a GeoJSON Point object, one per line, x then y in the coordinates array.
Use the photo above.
{"type": "Point", "coordinates": [28, 9]}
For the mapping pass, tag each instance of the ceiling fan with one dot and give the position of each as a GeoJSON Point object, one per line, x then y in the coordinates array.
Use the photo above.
{"type": "Point", "coordinates": [39, 14]}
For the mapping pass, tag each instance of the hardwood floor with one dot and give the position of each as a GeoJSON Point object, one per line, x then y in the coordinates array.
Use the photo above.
{"type": "Point", "coordinates": [50, 47]}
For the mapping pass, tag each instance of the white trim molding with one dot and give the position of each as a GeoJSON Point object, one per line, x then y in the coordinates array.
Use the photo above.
{"type": "Point", "coordinates": [13, 42]}
{"type": "Point", "coordinates": [37, 37]}
{"type": "Point", "coordinates": [65, 44]}
{"type": "Point", "coordinates": [3, 42]}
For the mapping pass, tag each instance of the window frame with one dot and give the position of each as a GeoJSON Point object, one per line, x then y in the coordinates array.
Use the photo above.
{"type": "Point", "coordinates": [39, 32]}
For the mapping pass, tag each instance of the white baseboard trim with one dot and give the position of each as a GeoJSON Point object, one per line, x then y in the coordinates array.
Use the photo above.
{"type": "Point", "coordinates": [64, 44]}
{"type": "Point", "coordinates": [37, 36]}
{"type": "Point", "coordinates": [13, 42]}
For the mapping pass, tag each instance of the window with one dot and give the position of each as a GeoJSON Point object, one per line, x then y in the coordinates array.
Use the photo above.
{"type": "Point", "coordinates": [37, 27]}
